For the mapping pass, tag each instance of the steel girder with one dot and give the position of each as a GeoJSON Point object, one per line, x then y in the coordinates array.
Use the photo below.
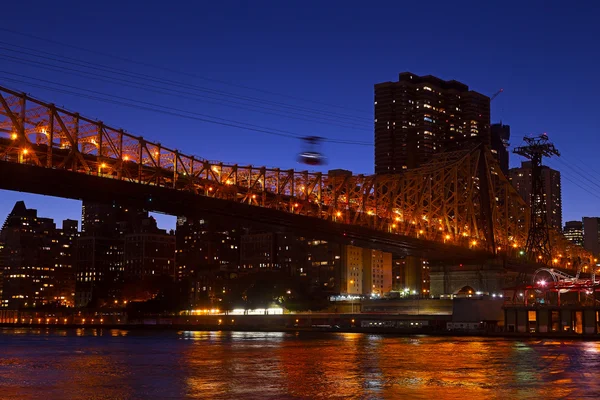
{"type": "Point", "coordinates": [459, 197]}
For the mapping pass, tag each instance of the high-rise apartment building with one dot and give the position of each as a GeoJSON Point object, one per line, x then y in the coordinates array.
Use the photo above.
{"type": "Point", "coordinates": [573, 231]}
{"type": "Point", "coordinates": [148, 251]}
{"type": "Point", "coordinates": [276, 251]}
{"type": "Point", "coordinates": [352, 270]}
{"type": "Point", "coordinates": [521, 180]}
{"type": "Point", "coordinates": [500, 136]}
{"type": "Point", "coordinates": [206, 245]}
{"type": "Point", "coordinates": [377, 275]}
{"type": "Point", "coordinates": [591, 235]}
{"type": "Point", "coordinates": [118, 243]}
{"type": "Point", "coordinates": [324, 266]}
{"type": "Point", "coordinates": [365, 271]}
{"type": "Point", "coordinates": [419, 116]}
{"type": "Point", "coordinates": [37, 260]}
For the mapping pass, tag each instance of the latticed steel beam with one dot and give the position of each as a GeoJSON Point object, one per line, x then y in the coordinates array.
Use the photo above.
{"type": "Point", "coordinates": [460, 197]}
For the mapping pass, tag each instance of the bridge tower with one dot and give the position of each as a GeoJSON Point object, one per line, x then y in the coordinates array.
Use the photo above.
{"type": "Point", "coordinates": [538, 239]}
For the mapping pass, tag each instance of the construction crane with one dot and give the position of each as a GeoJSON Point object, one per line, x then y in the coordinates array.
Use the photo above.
{"type": "Point", "coordinates": [496, 95]}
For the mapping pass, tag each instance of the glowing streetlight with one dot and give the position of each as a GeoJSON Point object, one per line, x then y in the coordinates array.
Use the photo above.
{"type": "Point", "coordinates": [13, 136]}
{"type": "Point", "coordinates": [338, 214]}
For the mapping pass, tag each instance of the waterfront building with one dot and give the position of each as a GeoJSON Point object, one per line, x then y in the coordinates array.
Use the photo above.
{"type": "Point", "coordinates": [118, 243]}
{"type": "Point", "coordinates": [37, 260]}
{"type": "Point", "coordinates": [365, 271]}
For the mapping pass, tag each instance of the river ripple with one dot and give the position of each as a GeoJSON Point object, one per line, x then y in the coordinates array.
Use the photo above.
{"type": "Point", "coordinates": [118, 364]}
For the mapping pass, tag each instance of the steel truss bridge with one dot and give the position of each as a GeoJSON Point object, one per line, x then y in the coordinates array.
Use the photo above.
{"type": "Point", "coordinates": [459, 201]}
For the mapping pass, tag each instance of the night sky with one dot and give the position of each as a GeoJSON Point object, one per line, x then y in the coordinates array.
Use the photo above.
{"type": "Point", "coordinates": [315, 61]}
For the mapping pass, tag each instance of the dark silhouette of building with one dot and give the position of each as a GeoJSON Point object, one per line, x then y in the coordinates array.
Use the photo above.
{"type": "Point", "coordinates": [148, 251]}
{"type": "Point", "coordinates": [275, 251]}
{"type": "Point", "coordinates": [591, 235]}
{"type": "Point", "coordinates": [521, 180]}
{"type": "Point", "coordinates": [118, 243]}
{"type": "Point", "coordinates": [500, 136]}
{"type": "Point", "coordinates": [37, 260]}
{"type": "Point", "coordinates": [419, 116]}
{"type": "Point", "coordinates": [206, 249]}
{"type": "Point", "coordinates": [573, 231]}
{"type": "Point", "coordinates": [206, 245]}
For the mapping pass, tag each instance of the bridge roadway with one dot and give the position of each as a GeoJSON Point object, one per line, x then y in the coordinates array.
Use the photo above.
{"type": "Point", "coordinates": [93, 187]}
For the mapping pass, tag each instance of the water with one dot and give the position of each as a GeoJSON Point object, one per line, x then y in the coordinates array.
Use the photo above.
{"type": "Point", "coordinates": [115, 364]}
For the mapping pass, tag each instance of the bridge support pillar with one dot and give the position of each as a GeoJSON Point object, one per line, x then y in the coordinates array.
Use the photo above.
{"type": "Point", "coordinates": [413, 274]}
{"type": "Point", "coordinates": [487, 278]}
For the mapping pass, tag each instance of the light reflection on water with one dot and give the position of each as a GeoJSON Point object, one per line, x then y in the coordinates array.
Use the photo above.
{"type": "Point", "coordinates": [119, 364]}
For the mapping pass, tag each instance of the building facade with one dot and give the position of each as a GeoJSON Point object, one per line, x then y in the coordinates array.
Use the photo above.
{"type": "Point", "coordinates": [418, 116]}
{"type": "Point", "coordinates": [365, 272]}
{"type": "Point", "coordinates": [118, 243]}
{"type": "Point", "coordinates": [205, 245]}
{"type": "Point", "coordinates": [521, 180]}
{"type": "Point", "coordinates": [591, 235]}
{"type": "Point", "coordinates": [573, 231]}
{"type": "Point", "coordinates": [377, 274]}
{"type": "Point", "coordinates": [500, 136]}
{"type": "Point", "coordinates": [37, 260]}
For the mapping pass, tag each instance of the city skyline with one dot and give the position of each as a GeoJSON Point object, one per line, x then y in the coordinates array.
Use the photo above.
{"type": "Point", "coordinates": [511, 60]}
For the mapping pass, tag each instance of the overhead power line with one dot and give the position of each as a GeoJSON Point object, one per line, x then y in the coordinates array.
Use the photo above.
{"type": "Point", "coordinates": [181, 72]}
{"type": "Point", "coordinates": [579, 172]}
{"type": "Point", "coordinates": [140, 76]}
{"type": "Point", "coordinates": [181, 93]}
{"type": "Point", "coordinates": [163, 109]}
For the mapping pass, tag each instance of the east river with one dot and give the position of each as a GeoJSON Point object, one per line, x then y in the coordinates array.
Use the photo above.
{"type": "Point", "coordinates": [116, 364]}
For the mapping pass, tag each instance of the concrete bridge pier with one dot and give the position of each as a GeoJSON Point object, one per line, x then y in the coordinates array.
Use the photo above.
{"type": "Point", "coordinates": [489, 278]}
{"type": "Point", "coordinates": [413, 274]}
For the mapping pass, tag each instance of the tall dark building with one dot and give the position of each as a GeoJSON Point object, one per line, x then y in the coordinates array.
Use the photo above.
{"type": "Point", "coordinates": [148, 251]}
{"type": "Point", "coordinates": [521, 180]}
{"type": "Point", "coordinates": [37, 260]}
{"type": "Point", "coordinates": [205, 249]}
{"type": "Point", "coordinates": [573, 231]}
{"type": "Point", "coordinates": [500, 136]}
{"type": "Point", "coordinates": [419, 116]}
{"type": "Point", "coordinates": [591, 235]}
{"type": "Point", "coordinates": [118, 243]}
{"type": "Point", "coordinates": [276, 251]}
{"type": "Point", "coordinates": [205, 245]}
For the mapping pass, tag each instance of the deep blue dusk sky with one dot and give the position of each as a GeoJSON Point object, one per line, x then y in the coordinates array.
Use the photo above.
{"type": "Point", "coordinates": [545, 54]}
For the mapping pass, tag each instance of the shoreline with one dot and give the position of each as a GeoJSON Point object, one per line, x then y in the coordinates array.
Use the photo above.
{"type": "Point", "coordinates": [371, 331]}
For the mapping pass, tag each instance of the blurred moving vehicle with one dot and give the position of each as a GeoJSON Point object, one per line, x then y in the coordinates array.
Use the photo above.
{"type": "Point", "coordinates": [311, 154]}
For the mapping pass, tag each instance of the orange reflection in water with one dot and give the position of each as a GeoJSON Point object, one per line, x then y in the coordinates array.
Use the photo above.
{"type": "Point", "coordinates": [114, 364]}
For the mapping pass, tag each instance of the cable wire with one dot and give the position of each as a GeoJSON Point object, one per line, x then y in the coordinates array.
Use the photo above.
{"type": "Point", "coordinates": [137, 75]}
{"type": "Point", "coordinates": [178, 93]}
{"type": "Point", "coordinates": [167, 110]}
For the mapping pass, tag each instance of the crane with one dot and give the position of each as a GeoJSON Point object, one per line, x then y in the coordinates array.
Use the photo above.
{"type": "Point", "coordinates": [496, 94]}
